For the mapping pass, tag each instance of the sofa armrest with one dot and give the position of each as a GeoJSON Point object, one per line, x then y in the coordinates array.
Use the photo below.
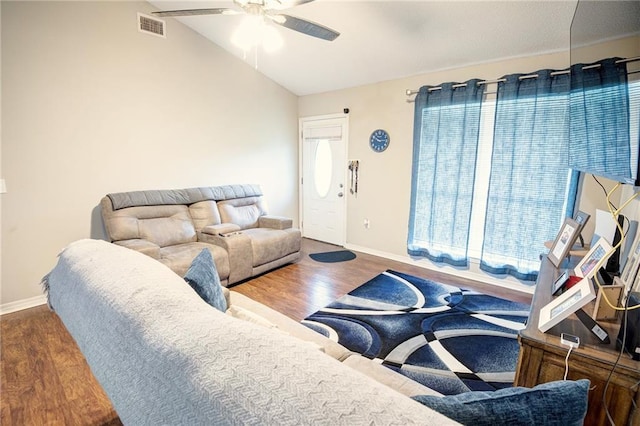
{"type": "Point", "coordinates": [143, 246]}
{"type": "Point", "coordinates": [222, 228]}
{"type": "Point", "coordinates": [238, 247]}
{"type": "Point", "coordinates": [275, 222]}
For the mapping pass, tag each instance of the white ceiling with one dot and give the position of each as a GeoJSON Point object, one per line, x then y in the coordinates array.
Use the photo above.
{"type": "Point", "coordinates": [386, 40]}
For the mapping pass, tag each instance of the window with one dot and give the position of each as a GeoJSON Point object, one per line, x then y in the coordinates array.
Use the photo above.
{"type": "Point", "coordinates": [323, 168]}
{"type": "Point", "coordinates": [531, 188]}
{"type": "Point", "coordinates": [520, 187]}
{"type": "Point", "coordinates": [444, 161]}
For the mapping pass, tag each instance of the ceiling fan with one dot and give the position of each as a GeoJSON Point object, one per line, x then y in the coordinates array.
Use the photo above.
{"type": "Point", "coordinates": [268, 9]}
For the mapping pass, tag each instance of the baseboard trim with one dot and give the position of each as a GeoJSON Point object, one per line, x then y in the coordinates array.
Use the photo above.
{"type": "Point", "coordinates": [473, 273]}
{"type": "Point", "coordinates": [19, 305]}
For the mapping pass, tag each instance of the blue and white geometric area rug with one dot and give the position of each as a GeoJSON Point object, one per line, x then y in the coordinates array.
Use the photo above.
{"type": "Point", "coordinates": [449, 339]}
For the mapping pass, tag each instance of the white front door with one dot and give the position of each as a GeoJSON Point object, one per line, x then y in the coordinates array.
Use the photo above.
{"type": "Point", "coordinates": [324, 164]}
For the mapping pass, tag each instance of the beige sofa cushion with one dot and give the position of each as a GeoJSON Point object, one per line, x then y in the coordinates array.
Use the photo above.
{"type": "Point", "coordinates": [162, 225]}
{"type": "Point", "coordinates": [247, 315]}
{"type": "Point", "coordinates": [275, 222]}
{"type": "Point", "coordinates": [179, 257]}
{"type": "Point", "coordinates": [204, 213]}
{"type": "Point", "coordinates": [293, 328]}
{"type": "Point", "coordinates": [384, 375]}
{"type": "Point", "coordinates": [168, 231]}
{"type": "Point", "coordinates": [143, 246]}
{"type": "Point", "coordinates": [244, 212]}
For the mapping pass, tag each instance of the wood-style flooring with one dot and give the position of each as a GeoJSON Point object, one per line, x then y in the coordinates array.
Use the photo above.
{"type": "Point", "coordinates": [44, 379]}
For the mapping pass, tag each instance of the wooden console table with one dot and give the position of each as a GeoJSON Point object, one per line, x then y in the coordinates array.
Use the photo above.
{"type": "Point", "coordinates": [542, 359]}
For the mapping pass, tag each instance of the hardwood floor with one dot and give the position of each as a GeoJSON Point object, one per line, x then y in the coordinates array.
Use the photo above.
{"type": "Point", "coordinates": [44, 379]}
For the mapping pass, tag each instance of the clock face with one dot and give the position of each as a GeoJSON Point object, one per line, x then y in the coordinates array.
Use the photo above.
{"type": "Point", "coordinates": [379, 140]}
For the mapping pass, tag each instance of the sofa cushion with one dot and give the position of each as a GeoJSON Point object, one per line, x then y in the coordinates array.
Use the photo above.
{"type": "Point", "coordinates": [387, 376]}
{"type": "Point", "coordinates": [289, 326]}
{"type": "Point", "coordinates": [162, 225]}
{"type": "Point", "coordinates": [555, 403]}
{"type": "Point", "coordinates": [180, 256]}
{"type": "Point", "coordinates": [246, 315]}
{"type": "Point", "coordinates": [269, 244]}
{"type": "Point", "coordinates": [204, 213]}
{"type": "Point", "coordinates": [121, 200]}
{"type": "Point", "coordinates": [275, 222]}
{"type": "Point", "coordinates": [167, 231]}
{"type": "Point", "coordinates": [244, 212]}
{"type": "Point", "coordinates": [143, 246]}
{"type": "Point", "coordinates": [202, 276]}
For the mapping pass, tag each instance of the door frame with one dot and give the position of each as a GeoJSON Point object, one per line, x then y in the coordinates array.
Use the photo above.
{"type": "Point", "coordinates": [345, 138]}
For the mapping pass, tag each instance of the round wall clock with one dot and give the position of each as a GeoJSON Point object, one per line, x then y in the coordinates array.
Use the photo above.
{"type": "Point", "coordinates": [379, 140]}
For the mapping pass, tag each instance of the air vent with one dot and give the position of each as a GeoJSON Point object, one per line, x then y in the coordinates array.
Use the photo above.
{"type": "Point", "coordinates": [150, 25]}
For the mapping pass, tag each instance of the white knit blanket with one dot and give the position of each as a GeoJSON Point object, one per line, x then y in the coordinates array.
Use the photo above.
{"type": "Point", "coordinates": [164, 356]}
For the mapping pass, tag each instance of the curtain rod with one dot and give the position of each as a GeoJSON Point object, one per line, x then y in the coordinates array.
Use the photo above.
{"type": "Point", "coordinates": [410, 92]}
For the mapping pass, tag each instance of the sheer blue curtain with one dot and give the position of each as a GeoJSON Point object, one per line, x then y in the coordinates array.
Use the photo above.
{"type": "Point", "coordinates": [531, 188]}
{"type": "Point", "coordinates": [599, 96]}
{"type": "Point", "coordinates": [446, 129]}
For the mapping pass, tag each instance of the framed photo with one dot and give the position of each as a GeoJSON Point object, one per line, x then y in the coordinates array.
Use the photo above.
{"type": "Point", "coordinates": [602, 310]}
{"type": "Point", "coordinates": [566, 304]}
{"type": "Point", "coordinates": [581, 218]}
{"type": "Point", "coordinates": [600, 251]}
{"type": "Point", "coordinates": [559, 283]}
{"type": "Point", "coordinates": [564, 241]}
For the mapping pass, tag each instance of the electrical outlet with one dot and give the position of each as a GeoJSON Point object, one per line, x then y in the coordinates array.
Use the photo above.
{"type": "Point", "coordinates": [367, 224]}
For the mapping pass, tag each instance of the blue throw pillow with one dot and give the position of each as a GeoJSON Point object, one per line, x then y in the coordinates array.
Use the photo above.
{"type": "Point", "coordinates": [558, 403]}
{"type": "Point", "coordinates": [203, 277]}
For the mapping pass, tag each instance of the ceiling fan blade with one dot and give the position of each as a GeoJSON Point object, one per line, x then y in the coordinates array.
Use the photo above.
{"type": "Point", "coordinates": [305, 27]}
{"type": "Point", "coordinates": [195, 12]}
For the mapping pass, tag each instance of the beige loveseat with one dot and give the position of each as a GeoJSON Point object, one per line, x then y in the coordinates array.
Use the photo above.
{"type": "Point", "coordinates": [231, 221]}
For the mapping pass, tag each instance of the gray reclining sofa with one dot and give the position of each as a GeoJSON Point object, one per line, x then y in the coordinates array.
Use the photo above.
{"type": "Point", "coordinates": [231, 221]}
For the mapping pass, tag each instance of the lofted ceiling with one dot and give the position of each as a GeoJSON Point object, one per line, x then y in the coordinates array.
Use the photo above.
{"type": "Point", "coordinates": [387, 40]}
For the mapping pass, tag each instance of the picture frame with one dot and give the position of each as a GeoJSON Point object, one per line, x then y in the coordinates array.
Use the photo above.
{"type": "Point", "coordinates": [559, 283]}
{"type": "Point", "coordinates": [566, 304]}
{"type": "Point", "coordinates": [600, 251]}
{"type": "Point", "coordinates": [564, 241]}
{"type": "Point", "coordinates": [582, 218]}
{"type": "Point", "coordinates": [602, 310]}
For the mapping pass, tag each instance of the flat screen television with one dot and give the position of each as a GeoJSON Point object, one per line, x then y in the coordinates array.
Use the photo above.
{"type": "Point", "coordinates": [594, 26]}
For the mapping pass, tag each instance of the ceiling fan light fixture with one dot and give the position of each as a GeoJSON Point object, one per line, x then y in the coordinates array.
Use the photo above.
{"type": "Point", "coordinates": [279, 19]}
{"type": "Point", "coordinates": [253, 31]}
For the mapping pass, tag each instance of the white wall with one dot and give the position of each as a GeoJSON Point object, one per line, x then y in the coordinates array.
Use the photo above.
{"type": "Point", "coordinates": [385, 178]}
{"type": "Point", "coordinates": [91, 106]}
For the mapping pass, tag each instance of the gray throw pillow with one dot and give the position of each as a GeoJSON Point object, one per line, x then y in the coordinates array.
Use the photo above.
{"type": "Point", "coordinates": [560, 403]}
{"type": "Point", "coordinates": [203, 277]}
